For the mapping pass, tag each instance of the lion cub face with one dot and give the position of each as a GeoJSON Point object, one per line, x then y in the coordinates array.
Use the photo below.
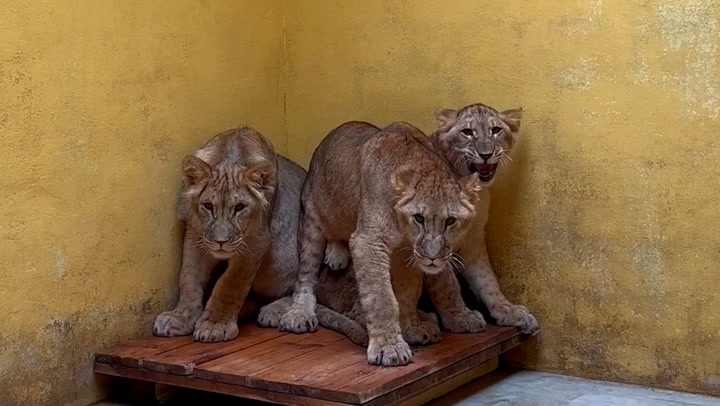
{"type": "Point", "coordinates": [434, 213]}
{"type": "Point", "coordinates": [227, 203]}
{"type": "Point", "coordinates": [477, 138]}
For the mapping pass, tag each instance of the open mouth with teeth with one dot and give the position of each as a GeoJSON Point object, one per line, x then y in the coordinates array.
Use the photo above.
{"type": "Point", "coordinates": [486, 171]}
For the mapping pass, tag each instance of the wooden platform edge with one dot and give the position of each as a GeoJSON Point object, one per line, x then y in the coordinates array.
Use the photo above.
{"type": "Point", "coordinates": [433, 385]}
{"type": "Point", "coordinates": [450, 384]}
{"type": "Point", "coordinates": [210, 386]}
{"type": "Point", "coordinates": [417, 398]}
{"type": "Point", "coordinates": [438, 377]}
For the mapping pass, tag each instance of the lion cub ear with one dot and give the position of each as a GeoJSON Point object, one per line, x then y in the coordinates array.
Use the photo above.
{"type": "Point", "coordinates": [445, 117]}
{"type": "Point", "coordinates": [471, 186]}
{"type": "Point", "coordinates": [512, 118]}
{"type": "Point", "coordinates": [261, 176]}
{"type": "Point", "coordinates": [403, 183]}
{"type": "Point", "coordinates": [195, 170]}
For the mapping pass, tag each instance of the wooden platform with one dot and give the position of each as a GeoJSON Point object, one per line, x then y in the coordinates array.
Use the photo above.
{"type": "Point", "coordinates": [323, 368]}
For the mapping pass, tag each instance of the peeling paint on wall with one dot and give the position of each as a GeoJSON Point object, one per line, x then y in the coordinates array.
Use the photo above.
{"type": "Point", "coordinates": [691, 29]}
{"type": "Point", "coordinates": [578, 77]}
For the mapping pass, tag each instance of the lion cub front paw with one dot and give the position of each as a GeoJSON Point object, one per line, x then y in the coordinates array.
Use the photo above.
{"type": "Point", "coordinates": [515, 316]}
{"type": "Point", "coordinates": [388, 351]}
{"type": "Point", "coordinates": [173, 323]}
{"type": "Point", "coordinates": [209, 331]}
{"type": "Point", "coordinates": [299, 321]}
{"type": "Point", "coordinates": [424, 334]}
{"type": "Point", "coordinates": [464, 321]}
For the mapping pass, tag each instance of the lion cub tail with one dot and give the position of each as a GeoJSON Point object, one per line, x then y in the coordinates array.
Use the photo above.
{"type": "Point", "coordinates": [332, 320]}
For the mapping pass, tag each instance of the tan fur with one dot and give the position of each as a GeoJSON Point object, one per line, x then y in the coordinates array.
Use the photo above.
{"type": "Point", "coordinates": [491, 136]}
{"type": "Point", "coordinates": [339, 306]}
{"type": "Point", "coordinates": [238, 201]}
{"type": "Point", "coordinates": [382, 191]}
{"type": "Point", "coordinates": [338, 291]}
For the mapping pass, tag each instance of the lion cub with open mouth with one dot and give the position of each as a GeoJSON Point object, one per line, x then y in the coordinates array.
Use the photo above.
{"type": "Point", "coordinates": [386, 192]}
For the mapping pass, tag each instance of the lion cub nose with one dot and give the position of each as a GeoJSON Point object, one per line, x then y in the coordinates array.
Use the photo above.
{"type": "Point", "coordinates": [222, 240]}
{"type": "Point", "coordinates": [486, 157]}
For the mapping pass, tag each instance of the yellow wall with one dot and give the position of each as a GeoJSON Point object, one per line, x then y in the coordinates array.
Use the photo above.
{"type": "Point", "coordinates": [99, 100]}
{"type": "Point", "coordinates": [606, 225]}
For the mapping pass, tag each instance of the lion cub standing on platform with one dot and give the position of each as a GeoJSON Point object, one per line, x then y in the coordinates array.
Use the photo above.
{"type": "Point", "coordinates": [384, 191]}
{"type": "Point", "coordinates": [240, 203]}
{"type": "Point", "coordinates": [475, 139]}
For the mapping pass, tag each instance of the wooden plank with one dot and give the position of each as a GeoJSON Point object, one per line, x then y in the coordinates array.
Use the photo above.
{"type": "Point", "coordinates": [182, 360]}
{"type": "Point", "coordinates": [360, 383]}
{"type": "Point", "coordinates": [210, 386]}
{"type": "Point", "coordinates": [441, 375]}
{"type": "Point", "coordinates": [133, 353]}
{"type": "Point", "coordinates": [234, 368]}
{"type": "Point", "coordinates": [353, 380]}
{"type": "Point", "coordinates": [296, 375]}
{"type": "Point", "coordinates": [455, 347]}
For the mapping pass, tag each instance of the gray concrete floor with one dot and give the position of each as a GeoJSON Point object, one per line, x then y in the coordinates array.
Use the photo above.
{"type": "Point", "coordinates": [518, 388]}
{"type": "Point", "coordinates": [528, 388]}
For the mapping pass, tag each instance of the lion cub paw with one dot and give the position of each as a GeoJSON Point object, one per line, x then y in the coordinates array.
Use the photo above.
{"type": "Point", "coordinates": [424, 334]}
{"type": "Point", "coordinates": [208, 331]}
{"type": "Point", "coordinates": [388, 351]}
{"type": "Point", "coordinates": [337, 255]}
{"type": "Point", "coordinates": [515, 316]}
{"type": "Point", "coordinates": [299, 321]}
{"type": "Point", "coordinates": [269, 317]}
{"type": "Point", "coordinates": [173, 324]}
{"type": "Point", "coordinates": [270, 314]}
{"type": "Point", "coordinates": [465, 321]}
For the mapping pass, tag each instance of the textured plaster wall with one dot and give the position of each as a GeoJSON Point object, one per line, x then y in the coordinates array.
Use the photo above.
{"type": "Point", "coordinates": [99, 100]}
{"type": "Point", "coordinates": [607, 223]}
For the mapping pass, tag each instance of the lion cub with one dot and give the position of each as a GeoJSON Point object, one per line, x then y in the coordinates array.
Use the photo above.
{"type": "Point", "coordinates": [238, 201]}
{"type": "Point", "coordinates": [476, 139]}
{"type": "Point", "coordinates": [384, 191]}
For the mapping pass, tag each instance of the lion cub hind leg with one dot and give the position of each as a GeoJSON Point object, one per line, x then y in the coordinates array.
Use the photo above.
{"type": "Point", "coordinates": [337, 255]}
{"type": "Point", "coordinates": [270, 317]}
{"type": "Point", "coordinates": [301, 318]}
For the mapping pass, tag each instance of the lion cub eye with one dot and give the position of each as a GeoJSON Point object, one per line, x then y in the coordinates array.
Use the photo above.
{"type": "Point", "coordinates": [449, 221]}
{"type": "Point", "coordinates": [239, 207]}
{"type": "Point", "coordinates": [496, 130]}
{"type": "Point", "coordinates": [208, 206]}
{"type": "Point", "coordinates": [467, 131]}
{"type": "Point", "coordinates": [419, 218]}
